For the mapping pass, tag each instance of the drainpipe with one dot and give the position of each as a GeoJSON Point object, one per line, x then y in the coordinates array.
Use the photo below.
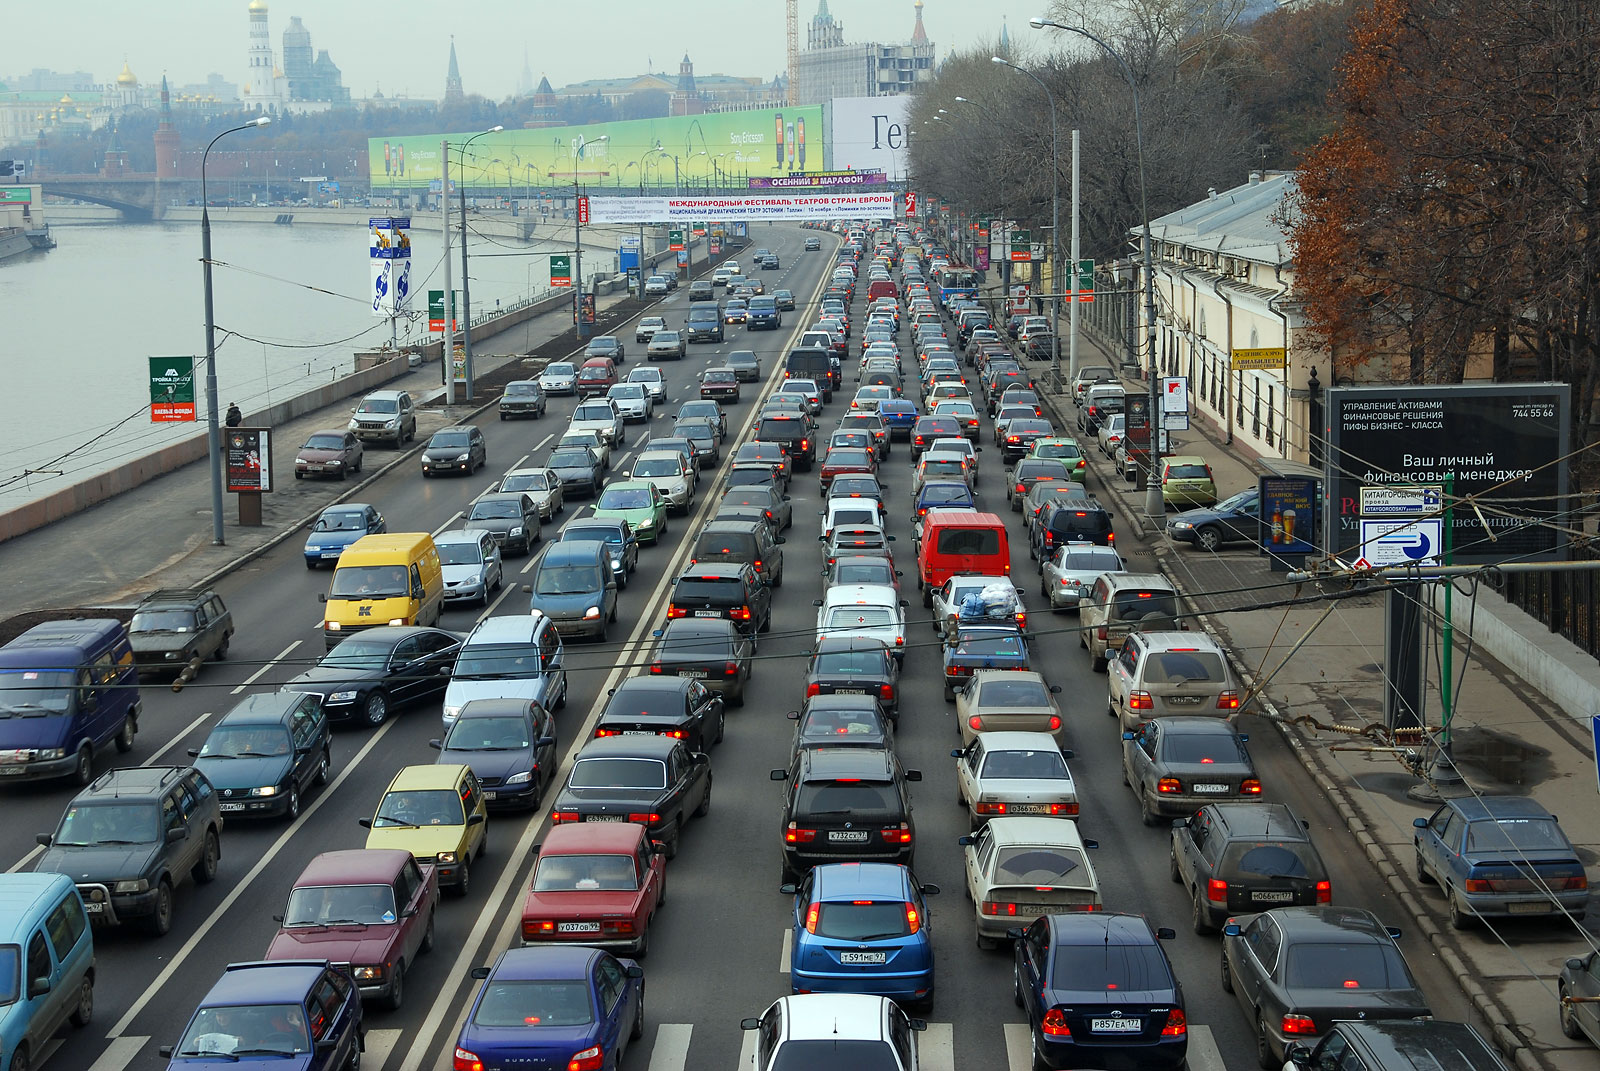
{"type": "Point", "coordinates": [1289, 392]}
{"type": "Point", "coordinates": [1227, 362]}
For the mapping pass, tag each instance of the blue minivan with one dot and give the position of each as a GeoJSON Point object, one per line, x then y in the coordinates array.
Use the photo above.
{"type": "Point", "coordinates": [67, 688]}
{"type": "Point", "coordinates": [46, 963]}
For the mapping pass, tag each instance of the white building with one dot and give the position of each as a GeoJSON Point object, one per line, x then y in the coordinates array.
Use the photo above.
{"type": "Point", "coordinates": [264, 87]}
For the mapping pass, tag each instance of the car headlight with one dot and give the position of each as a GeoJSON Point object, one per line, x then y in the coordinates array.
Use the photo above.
{"type": "Point", "coordinates": [591, 613]}
{"type": "Point", "coordinates": [301, 461]}
{"type": "Point", "coordinates": [392, 422]}
{"type": "Point", "coordinates": [447, 857]}
{"type": "Point", "coordinates": [398, 621]}
{"type": "Point", "coordinates": [172, 655]}
{"type": "Point", "coordinates": [462, 457]}
{"type": "Point", "coordinates": [269, 790]}
{"type": "Point", "coordinates": [519, 778]}
{"type": "Point", "coordinates": [517, 530]}
{"type": "Point", "coordinates": [1182, 524]}
{"type": "Point", "coordinates": [50, 753]}
{"type": "Point", "coordinates": [368, 974]}
{"type": "Point", "coordinates": [137, 885]}
{"type": "Point", "coordinates": [342, 697]}
{"type": "Point", "coordinates": [451, 713]}
{"type": "Point", "coordinates": [332, 626]}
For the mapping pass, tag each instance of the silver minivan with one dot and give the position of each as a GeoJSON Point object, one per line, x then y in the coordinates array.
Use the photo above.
{"type": "Point", "coordinates": [470, 561]}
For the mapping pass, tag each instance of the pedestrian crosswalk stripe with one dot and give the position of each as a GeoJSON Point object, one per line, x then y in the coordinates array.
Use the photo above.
{"type": "Point", "coordinates": [380, 1043]}
{"type": "Point", "coordinates": [1203, 1052]}
{"type": "Point", "coordinates": [936, 1048]}
{"type": "Point", "coordinates": [116, 1056]}
{"type": "Point", "coordinates": [671, 1049]}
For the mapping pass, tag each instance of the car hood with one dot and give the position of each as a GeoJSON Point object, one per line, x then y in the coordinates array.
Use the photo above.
{"type": "Point", "coordinates": [461, 691]}
{"type": "Point", "coordinates": [330, 678]}
{"type": "Point", "coordinates": [494, 524]}
{"type": "Point", "coordinates": [460, 574]}
{"type": "Point", "coordinates": [592, 425]}
{"type": "Point", "coordinates": [445, 453]}
{"type": "Point", "coordinates": [107, 863]}
{"type": "Point", "coordinates": [573, 472]}
{"type": "Point", "coordinates": [232, 775]}
{"type": "Point", "coordinates": [339, 538]}
{"type": "Point", "coordinates": [567, 604]}
{"type": "Point", "coordinates": [633, 515]}
{"type": "Point", "coordinates": [557, 377]}
{"type": "Point", "coordinates": [357, 945]}
{"type": "Point", "coordinates": [666, 484]}
{"type": "Point", "coordinates": [157, 642]}
{"type": "Point", "coordinates": [424, 842]}
{"type": "Point", "coordinates": [497, 764]}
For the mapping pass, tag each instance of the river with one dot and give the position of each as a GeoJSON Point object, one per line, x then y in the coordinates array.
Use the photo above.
{"type": "Point", "coordinates": [80, 321]}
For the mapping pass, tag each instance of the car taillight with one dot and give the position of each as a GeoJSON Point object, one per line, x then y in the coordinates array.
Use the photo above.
{"type": "Point", "coordinates": [900, 834]}
{"type": "Point", "coordinates": [730, 669]}
{"type": "Point", "coordinates": [465, 1061]}
{"type": "Point", "coordinates": [644, 818]}
{"type": "Point", "coordinates": [1021, 486]}
{"type": "Point", "coordinates": [563, 816]}
{"type": "Point", "coordinates": [1140, 701]}
{"type": "Point", "coordinates": [795, 835]}
{"type": "Point", "coordinates": [1217, 891]}
{"type": "Point", "coordinates": [886, 692]}
{"type": "Point", "coordinates": [1250, 787]}
{"type": "Point", "coordinates": [1169, 785]}
{"type": "Point", "coordinates": [607, 732]}
{"type": "Point", "coordinates": [1054, 1024]}
{"type": "Point", "coordinates": [1324, 892]}
{"type": "Point", "coordinates": [591, 1059]}
{"type": "Point", "coordinates": [1577, 881]}
{"type": "Point", "coordinates": [532, 928]}
{"type": "Point", "coordinates": [913, 918]}
{"type": "Point", "coordinates": [1479, 885]}
{"type": "Point", "coordinates": [742, 613]}
{"type": "Point", "coordinates": [655, 667]}
{"type": "Point", "coordinates": [1177, 1024]}
{"type": "Point", "coordinates": [999, 907]}
{"type": "Point", "coordinates": [1299, 1024]}
{"type": "Point", "coordinates": [805, 444]}
{"type": "Point", "coordinates": [1100, 633]}
{"type": "Point", "coordinates": [677, 611]}
{"type": "Point", "coordinates": [1228, 701]}
{"type": "Point", "coordinates": [812, 913]}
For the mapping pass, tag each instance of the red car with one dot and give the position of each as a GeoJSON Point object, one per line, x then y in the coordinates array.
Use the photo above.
{"type": "Point", "coordinates": [598, 375]}
{"type": "Point", "coordinates": [721, 384]}
{"type": "Point", "coordinates": [597, 884]}
{"type": "Point", "coordinates": [847, 461]}
{"type": "Point", "coordinates": [371, 908]}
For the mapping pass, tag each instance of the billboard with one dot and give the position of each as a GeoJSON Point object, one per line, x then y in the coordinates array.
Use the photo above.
{"type": "Point", "coordinates": [770, 141]}
{"type": "Point", "coordinates": [171, 389]}
{"type": "Point", "coordinates": [1501, 443]}
{"type": "Point", "coordinates": [741, 209]}
{"type": "Point", "coordinates": [870, 134]}
{"type": "Point", "coordinates": [389, 253]}
{"type": "Point", "coordinates": [249, 459]}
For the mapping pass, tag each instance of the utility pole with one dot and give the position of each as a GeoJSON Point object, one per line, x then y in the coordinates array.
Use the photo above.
{"type": "Point", "coordinates": [1072, 273]}
{"type": "Point", "coordinates": [447, 358]}
{"type": "Point", "coordinates": [577, 252]}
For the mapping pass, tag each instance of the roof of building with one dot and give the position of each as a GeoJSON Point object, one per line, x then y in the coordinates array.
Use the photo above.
{"type": "Point", "coordinates": [919, 35]}
{"type": "Point", "coordinates": [1240, 222]}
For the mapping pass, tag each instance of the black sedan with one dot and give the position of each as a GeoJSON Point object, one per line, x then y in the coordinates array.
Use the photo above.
{"type": "Point", "coordinates": [855, 665]}
{"type": "Point", "coordinates": [510, 745]}
{"type": "Point", "coordinates": [511, 517]}
{"type": "Point", "coordinates": [615, 533]}
{"type": "Point", "coordinates": [840, 721]}
{"type": "Point", "coordinates": [374, 671]}
{"type": "Point", "coordinates": [460, 449]}
{"type": "Point", "coordinates": [1298, 970]}
{"type": "Point", "coordinates": [664, 706]}
{"type": "Point", "coordinates": [579, 470]}
{"type": "Point", "coordinates": [1099, 991]}
{"type": "Point", "coordinates": [655, 781]}
{"type": "Point", "coordinates": [1177, 765]}
{"type": "Point", "coordinates": [712, 651]}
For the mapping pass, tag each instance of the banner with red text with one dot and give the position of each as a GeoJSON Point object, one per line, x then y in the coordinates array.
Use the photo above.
{"type": "Point", "coordinates": [767, 207]}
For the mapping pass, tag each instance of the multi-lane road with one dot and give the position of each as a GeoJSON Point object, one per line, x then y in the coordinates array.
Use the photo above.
{"type": "Point", "coordinates": [718, 951]}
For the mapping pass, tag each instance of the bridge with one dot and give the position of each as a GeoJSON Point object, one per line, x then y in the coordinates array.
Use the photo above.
{"type": "Point", "coordinates": [141, 198]}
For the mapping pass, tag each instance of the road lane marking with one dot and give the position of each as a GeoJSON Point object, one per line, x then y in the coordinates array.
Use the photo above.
{"type": "Point", "coordinates": [540, 444]}
{"type": "Point", "coordinates": [380, 1043]}
{"type": "Point", "coordinates": [936, 1048]}
{"type": "Point", "coordinates": [1203, 1052]}
{"type": "Point", "coordinates": [1019, 1047]}
{"type": "Point", "coordinates": [173, 742]}
{"type": "Point", "coordinates": [671, 1050]}
{"type": "Point", "coordinates": [328, 792]}
{"type": "Point", "coordinates": [119, 1054]}
{"type": "Point", "coordinates": [453, 518]}
{"type": "Point", "coordinates": [787, 951]}
{"type": "Point", "coordinates": [258, 674]}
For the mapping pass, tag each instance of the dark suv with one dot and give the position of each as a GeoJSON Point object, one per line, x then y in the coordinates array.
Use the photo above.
{"type": "Point", "coordinates": [793, 435]}
{"type": "Point", "coordinates": [843, 805]}
{"type": "Point", "coordinates": [1236, 858]}
{"type": "Point", "coordinates": [1071, 521]}
{"type": "Point", "coordinates": [133, 836]}
{"type": "Point", "coordinates": [170, 629]}
{"type": "Point", "coordinates": [733, 590]}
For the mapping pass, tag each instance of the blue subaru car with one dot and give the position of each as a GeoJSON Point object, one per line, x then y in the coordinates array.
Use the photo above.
{"type": "Point", "coordinates": [553, 1007]}
{"type": "Point", "coordinates": [862, 928]}
{"type": "Point", "coordinates": [899, 416]}
{"type": "Point", "coordinates": [259, 1010]}
{"type": "Point", "coordinates": [338, 527]}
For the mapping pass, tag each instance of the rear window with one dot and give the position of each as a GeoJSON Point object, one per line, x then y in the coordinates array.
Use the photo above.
{"type": "Point", "coordinates": [1176, 667]}
{"type": "Point", "coordinates": [1132, 605]}
{"type": "Point", "coordinates": [1249, 861]}
{"type": "Point", "coordinates": [1018, 693]}
{"type": "Point", "coordinates": [1514, 834]}
{"type": "Point", "coordinates": [968, 541]}
{"type": "Point", "coordinates": [875, 799]}
{"type": "Point", "coordinates": [1046, 765]}
{"type": "Point", "coordinates": [781, 429]}
{"type": "Point", "coordinates": [848, 663]}
{"type": "Point", "coordinates": [862, 920]}
{"type": "Point", "coordinates": [1202, 750]}
{"type": "Point", "coordinates": [1091, 561]}
{"type": "Point", "coordinates": [729, 543]}
{"type": "Point", "coordinates": [714, 588]}
{"type": "Point", "coordinates": [1103, 967]}
{"type": "Point", "coordinates": [1188, 472]}
{"type": "Point", "coordinates": [1345, 966]}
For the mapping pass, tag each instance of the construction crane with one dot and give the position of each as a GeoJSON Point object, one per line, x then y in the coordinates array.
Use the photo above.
{"type": "Point", "coordinates": [792, 17]}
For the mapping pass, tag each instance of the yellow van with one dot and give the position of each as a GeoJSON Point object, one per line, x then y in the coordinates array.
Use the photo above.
{"type": "Point", "coordinates": [390, 579]}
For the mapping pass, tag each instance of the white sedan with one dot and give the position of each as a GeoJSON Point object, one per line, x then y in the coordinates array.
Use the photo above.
{"type": "Point", "coordinates": [1020, 868]}
{"type": "Point", "coordinates": [656, 284]}
{"type": "Point", "coordinates": [1010, 773]}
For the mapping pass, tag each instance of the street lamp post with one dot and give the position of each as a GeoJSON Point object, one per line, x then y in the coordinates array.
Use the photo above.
{"type": "Point", "coordinates": [1154, 504]}
{"type": "Point", "coordinates": [213, 430]}
{"type": "Point", "coordinates": [466, 286]}
{"type": "Point", "coordinates": [1055, 222]}
{"type": "Point", "coordinates": [577, 240]}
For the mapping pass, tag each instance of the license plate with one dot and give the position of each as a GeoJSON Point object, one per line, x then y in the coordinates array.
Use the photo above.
{"type": "Point", "coordinates": [1115, 1026]}
{"type": "Point", "coordinates": [577, 927]}
{"type": "Point", "coordinates": [1210, 788]}
{"type": "Point", "coordinates": [708, 613]}
{"type": "Point", "coordinates": [8, 770]}
{"type": "Point", "coordinates": [488, 795]}
{"type": "Point", "coordinates": [848, 836]}
{"type": "Point", "coordinates": [863, 957]}
{"type": "Point", "coordinates": [1183, 700]}
{"type": "Point", "coordinates": [230, 807]}
{"type": "Point", "coordinates": [692, 674]}
{"type": "Point", "coordinates": [849, 691]}
{"type": "Point", "coordinates": [94, 908]}
{"type": "Point", "coordinates": [1272, 897]}
{"type": "Point", "coordinates": [603, 818]}
{"type": "Point", "coordinates": [1028, 808]}
{"type": "Point", "coordinates": [1541, 907]}
{"type": "Point", "coordinates": [331, 553]}
{"type": "Point", "coordinates": [638, 732]}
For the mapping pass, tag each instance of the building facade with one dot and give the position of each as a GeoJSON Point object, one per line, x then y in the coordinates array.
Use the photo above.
{"type": "Point", "coordinates": [830, 67]}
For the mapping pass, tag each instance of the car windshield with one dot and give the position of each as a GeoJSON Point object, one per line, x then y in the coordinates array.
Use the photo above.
{"type": "Point", "coordinates": [246, 741]}
{"type": "Point", "coordinates": [702, 410]}
{"type": "Point", "coordinates": [982, 646]}
{"type": "Point", "coordinates": [342, 521]}
{"type": "Point", "coordinates": [1203, 750]}
{"type": "Point", "coordinates": [1177, 667]}
{"type": "Point", "coordinates": [665, 337]}
{"type": "Point", "coordinates": [496, 661]}
{"type": "Point", "coordinates": [525, 481]}
{"type": "Point", "coordinates": [652, 321]}
{"type": "Point", "coordinates": [488, 733]}
{"type": "Point", "coordinates": [1047, 765]}
{"type": "Point", "coordinates": [1101, 967]}
{"type": "Point", "coordinates": [861, 920]}
{"type": "Point", "coordinates": [237, 1030]}
{"type": "Point", "coordinates": [694, 430]}
{"type": "Point", "coordinates": [1516, 834]}
{"type": "Point", "coordinates": [848, 663]}
{"type": "Point", "coordinates": [359, 652]}
{"type": "Point", "coordinates": [835, 1055]}
{"type": "Point", "coordinates": [10, 974]}
{"type": "Point", "coordinates": [1334, 965]}
{"type": "Point", "coordinates": [378, 405]}
{"type": "Point", "coordinates": [162, 621]}
{"type": "Point", "coordinates": [495, 507]}
{"type": "Point", "coordinates": [718, 377]}
{"type": "Point", "coordinates": [107, 823]}
{"type": "Point", "coordinates": [859, 799]}
{"type": "Point", "coordinates": [334, 905]}
{"type": "Point", "coordinates": [521, 390]}
{"type": "Point", "coordinates": [325, 442]}
{"type": "Point", "coordinates": [560, 368]}
{"type": "Point", "coordinates": [626, 390]}
{"type": "Point", "coordinates": [1255, 861]}
{"type": "Point", "coordinates": [1039, 866]}
{"type": "Point", "coordinates": [369, 582]}
{"type": "Point", "coordinates": [507, 1004]}
{"type": "Point", "coordinates": [585, 873]}
{"type": "Point", "coordinates": [449, 438]}
{"type": "Point", "coordinates": [568, 580]}
{"type": "Point", "coordinates": [570, 459]}
{"type": "Point", "coordinates": [645, 375]}
{"type": "Point", "coordinates": [657, 466]}
{"type": "Point", "coordinates": [852, 617]}
{"type": "Point", "coordinates": [604, 343]}
{"type": "Point", "coordinates": [618, 773]}
{"type": "Point", "coordinates": [419, 807]}
{"type": "Point", "coordinates": [625, 498]}
{"type": "Point", "coordinates": [591, 533]}
{"type": "Point", "coordinates": [595, 371]}
{"type": "Point", "coordinates": [828, 723]}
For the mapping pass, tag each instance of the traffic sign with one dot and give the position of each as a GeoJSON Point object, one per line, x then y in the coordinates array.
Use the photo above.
{"type": "Point", "coordinates": [675, 238]}
{"type": "Point", "coordinates": [561, 269]}
{"type": "Point", "coordinates": [1411, 501]}
{"type": "Point", "coordinates": [1402, 542]}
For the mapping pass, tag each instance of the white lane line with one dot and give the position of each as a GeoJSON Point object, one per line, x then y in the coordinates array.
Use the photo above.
{"type": "Point", "coordinates": [540, 444]}
{"type": "Point", "coordinates": [216, 916]}
{"type": "Point", "coordinates": [453, 518]}
{"type": "Point", "coordinates": [1019, 1047]}
{"type": "Point", "coordinates": [505, 589]}
{"type": "Point", "coordinates": [1203, 1052]}
{"type": "Point", "coordinates": [671, 1050]}
{"type": "Point", "coordinates": [936, 1049]}
{"type": "Point", "coordinates": [170, 744]}
{"type": "Point", "coordinates": [517, 464]}
{"type": "Point", "coordinates": [119, 1054]}
{"type": "Point", "coordinates": [788, 950]}
{"type": "Point", "coordinates": [380, 1043]}
{"type": "Point", "coordinates": [747, 1050]}
{"type": "Point", "coordinates": [258, 674]}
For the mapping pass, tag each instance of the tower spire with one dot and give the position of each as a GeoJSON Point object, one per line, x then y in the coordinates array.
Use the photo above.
{"type": "Point", "coordinates": [919, 35]}
{"type": "Point", "coordinates": [453, 93]}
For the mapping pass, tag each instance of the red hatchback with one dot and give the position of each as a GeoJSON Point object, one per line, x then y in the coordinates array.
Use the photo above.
{"type": "Point", "coordinates": [847, 461]}
{"type": "Point", "coordinates": [597, 884]}
{"type": "Point", "coordinates": [598, 375]}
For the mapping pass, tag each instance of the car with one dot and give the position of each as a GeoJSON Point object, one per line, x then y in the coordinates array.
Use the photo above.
{"type": "Point", "coordinates": [735, 310]}
{"type": "Point", "coordinates": [671, 476]}
{"type": "Point", "coordinates": [862, 928]}
{"type": "Point", "coordinates": [385, 416]}
{"type": "Point", "coordinates": [509, 743]}
{"type": "Point", "coordinates": [370, 908]}
{"type": "Point", "coordinates": [1176, 765]}
{"type": "Point", "coordinates": [1109, 433]}
{"type": "Point", "coordinates": [713, 651]}
{"type": "Point", "coordinates": [949, 597]}
{"type": "Point", "coordinates": [859, 420]}
{"type": "Point", "coordinates": [1014, 773]}
{"type": "Point", "coordinates": [172, 629]}
{"type": "Point", "coordinates": [675, 707]}
{"type": "Point", "coordinates": [639, 503]}
{"type": "Point", "coordinates": [769, 454]}
{"type": "Point", "coordinates": [609, 346]}
{"type": "Point", "coordinates": [1239, 857]}
{"type": "Point", "coordinates": [596, 884]}
{"type": "Point", "coordinates": [813, 243]}
{"type": "Point", "coordinates": [808, 393]}
{"type": "Point", "coordinates": [1236, 519]}
{"type": "Point", "coordinates": [785, 299]}
{"type": "Point", "coordinates": [1098, 990]}
{"type": "Point", "coordinates": [578, 468]}
{"type": "Point", "coordinates": [1121, 603]}
{"type": "Point", "coordinates": [764, 314]}
{"type": "Point", "coordinates": [721, 384]}
{"type": "Point", "coordinates": [854, 665]}
{"type": "Point", "coordinates": [1162, 674]}
{"type": "Point", "coordinates": [928, 428]}
{"type": "Point", "coordinates": [1069, 574]}
{"type": "Point", "coordinates": [523, 398]}
{"type": "Point", "coordinates": [1061, 448]}
{"type": "Point", "coordinates": [265, 752]}
{"type": "Point", "coordinates": [701, 289]}
{"type": "Point", "coordinates": [1186, 481]}
{"type": "Point", "coordinates": [841, 720]}
{"type": "Point", "coordinates": [856, 541]}
{"type": "Point", "coordinates": [656, 284]}
{"type": "Point", "coordinates": [575, 581]}
{"type": "Point", "coordinates": [995, 700]}
{"type": "Point", "coordinates": [733, 591]}
{"type": "Point", "coordinates": [1067, 520]}
{"type": "Point", "coordinates": [770, 262]}
{"type": "Point", "coordinates": [1028, 471]}
{"type": "Point", "coordinates": [666, 346]}
{"type": "Point", "coordinates": [778, 507]}
{"type": "Point", "coordinates": [703, 409]}
{"type": "Point", "coordinates": [511, 656]}
{"type": "Point", "coordinates": [596, 376]}
{"type": "Point", "coordinates": [459, 449]}
{"type": "Point", "coordinates": [602, 418]}
{"type": "Point", "coordinates": [1397, 1045]}
{"type": "Point", "coordinates": [305, 1010]}
{"type": "Point", "coordinates": [1298, 970]}
{"type": "Point", "coordinates": [745, 364]}
{"type": "Point", "coordinates": [652, 781]}
{"type": "Point", "coordinates": [859, 486]}
{"type": "Point", "coordinates": [1088, 376]}
{"type": "Point", "coordinates": [862, 569]}
{"type": "Point", "coordinates": [438, 814]}
{"type": "Point", "coordinates": [1019, 868]}
{"type": "Point", "coordinates": [337, 527]}
{"type": "Point", "coordinates": [943, 495]}
{"type": "Point", "coordinates": [649, 325]}
{"type": "Point", "coordinates": [703, 438]}
{"type": "Point", "coordinates": [828, 792]}
{"type": "Point", "coordinates": [1497, 857]}
{"type": "Point", "coordinates": [633, 401]}
{"type": "Point", "coordinates": [559, 377]}
{"type": "Point", "coordinates": [509, 518]}
{"type": "Point", "coordinates": [540, 484]}
{"type": "Point", "coordinates": [653, 382]}
{"type": "Point", "coordinates": [852, 512]}
{"type": "Point", "coordinates": [369, 674]}
{"type": "Point", "coordinates": [1580, 979]}
{"type": "Point", "coordinates": [863, 612]}
{"type": "Point", "coordinates": [794, 433]}
{"type": "Point", "coordinates": [844, 460]}
{"type": "Point", "coordinates": [969, 648]}
{"type": "Point", "coordinates": [130, 837]}
{"type": "Point", "coordinates": [1048, 492]}
{"type": "Point", "coordinates": [331, 453]}
{"type": "Point", "coordinates": [814, 1029]}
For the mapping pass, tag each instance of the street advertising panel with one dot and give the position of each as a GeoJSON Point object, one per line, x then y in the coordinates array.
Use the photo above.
{"type": "Point", "coordinates": [649, 209]}
{"type": "Point", "coordinates": [249, 459]}
{"type": "Point", "coordinates": [1288, 514]}
{"type": "Point", "coordinates": [822, 178]}
{"type": "Point", "coordinates": [1502, 445]}
{"type": "Point", "coordinates": [171, 389]}
{"type": "Point", "coordinates": [389, 253]}
{"type": "Point", "coordinates": [869, 134]}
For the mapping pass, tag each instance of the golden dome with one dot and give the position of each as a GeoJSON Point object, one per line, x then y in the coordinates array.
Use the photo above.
{"type": "Point", "coordinates": [66, 98]}
{"type": "Point", "coordinates": [127, 78]}
{"type": "Point", "coordinates": [258, 7]}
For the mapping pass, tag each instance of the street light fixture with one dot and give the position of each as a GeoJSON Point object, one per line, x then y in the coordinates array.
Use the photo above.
{"type": "Point", "coordinates": [466, 285]}
{"type": "Point", "coordinates": [213, 430]}
{"type": "Point", "coordinates": [577, 239]}
{"type": "Point", "coordinates": [1055, 220]}
{"type": "Point", "coordinates": [1154, 504]}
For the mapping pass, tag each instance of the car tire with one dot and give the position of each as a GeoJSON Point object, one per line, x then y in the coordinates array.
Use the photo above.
{"type": "Point", "coordinates": [83, 768]}
{"type": "Point", "coordinates": [637, 1031]}
{"type": "Point", "coordinates": [397, 988]}
{"type": "Point", "coordinates": [292, 810]}
{"type": "Point", "coordinates": [1199, 921]}
{"type": "Point", "coordinates": [310, 564]}
{"type": "Point", "coordinates": [1263, 1046]}
{"type": "Point", "coordinates": [1227, 975]}
{"type": "Point", "coordinates": [83, 1010]}
{"type": "Point", "coordinates": [125, 735]}
{"type": "Point", "coordinates": [672, 843]}
{"type": "Point", "coordinates": [1146, 815]}
{"type": "Point", "coordinates": [205, 868]}
{"type": "Point", "coordinates": [1569, 1025]}
{"type": "Point", "coordinates": [464, 885]}
{"type": "Point", "coordinates": [643, 949]}
{"type": "Point", "coordinates": [1208, 537]}
{"type": "Point", "coordinates": [20, 1060]}
{"type": "Point", "coordinates": [705, 804]}
{"type": "Point", "coordinates": [376, 711]}
{"type": "Point", "coordinates": [1460, 918]}
{"type": "Point", "coordinates": [160, 920]}
{"type": "Point", "coordinates": [1423, 877]}
{"type": "Point", "coordinates": [1039, 1062]}
{"type": "Point", "coordinates": [1172, 857]}
{"type": "Point", "coordinates": [428, 937]}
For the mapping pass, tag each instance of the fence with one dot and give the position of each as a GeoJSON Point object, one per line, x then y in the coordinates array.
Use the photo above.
{"type": "Point", "coordinates": [1565, 602]}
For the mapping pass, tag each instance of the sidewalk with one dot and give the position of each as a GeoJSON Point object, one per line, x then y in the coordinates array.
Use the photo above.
{"type": "Point", "coordinates": [1507, 739]}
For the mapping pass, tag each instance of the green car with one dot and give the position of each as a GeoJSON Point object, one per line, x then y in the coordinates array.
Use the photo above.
{"type": "Point", "coordinates": [637, 502]}
{"type": "Point", "coordinates": [1063, 449]}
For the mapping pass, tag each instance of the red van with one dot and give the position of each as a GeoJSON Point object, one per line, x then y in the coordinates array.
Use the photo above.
{"type": "Point", "coordinates": [960, 542]}
{"type": "Point", "coordinates": [882, 288]}
{"type": "Point", "coordinates": [598, 375]}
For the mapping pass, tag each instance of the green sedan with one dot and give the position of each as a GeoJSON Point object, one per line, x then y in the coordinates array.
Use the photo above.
{"type": "Point", "coordinates": [637, 502]}
{"type": "Point", "coordinates": [1064, 449]}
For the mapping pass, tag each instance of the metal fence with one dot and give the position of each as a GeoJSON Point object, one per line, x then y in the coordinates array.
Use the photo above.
{"type": "Point", "coordinates": [1565, 602]}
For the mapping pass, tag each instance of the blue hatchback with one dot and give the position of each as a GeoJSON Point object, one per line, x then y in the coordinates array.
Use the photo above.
{"type": "Point", "coordinates": [552, 1007]}
{"type": "Point", "coordinates": [304, 1014]}
{"type": "Point", "coordinates": [899, 417]}
{"type": "Point", "coordinates": [338, 527]}
{"type": "Point", "coordinates": [862, 928]}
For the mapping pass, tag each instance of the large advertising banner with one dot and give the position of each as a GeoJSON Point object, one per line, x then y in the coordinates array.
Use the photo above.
{"type": "Point", "coordinates": [742, 209]}
{"type": "Point", "coordinates": [720, 146]}
{"type": "Point", "coordinates": [870, 134]}
{"type": "Point", "coordinates": [389, 253]}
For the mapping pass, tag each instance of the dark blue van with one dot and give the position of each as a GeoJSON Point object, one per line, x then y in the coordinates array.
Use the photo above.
{"type": "Point", "coordinates": [67, 688]}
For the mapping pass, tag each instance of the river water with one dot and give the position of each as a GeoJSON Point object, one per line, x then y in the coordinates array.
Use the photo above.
{"type": "Point", "coordinates": [80, 322]}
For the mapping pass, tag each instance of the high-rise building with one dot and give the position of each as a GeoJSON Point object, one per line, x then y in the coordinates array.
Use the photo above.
{"type": "Point", "coordinates": [829, 67]}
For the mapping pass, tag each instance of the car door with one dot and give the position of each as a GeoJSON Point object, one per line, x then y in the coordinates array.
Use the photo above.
{"type": "Point", "coordinates": [48, 1008]}
{"type": "Point", "coordinates": [1120, 675]}
{"type": "Point", "coordinates": [1261, 942]}
{"type": "Point", "coordinates": [1188, 846]}
{"type": "Point", "coordinates": [308, 726]}
{"type": "Point", "coordinates": [967, 767]}
{"type": "Point", "coordinates": [376, 525]}
{"type": "Point", "coordinates": [1033, 955]}
{"type": "Point", "coordinates": [411, 894]}
{"type": "Point", "coordinates": [543, 728]}
{"type": "Point", "coordinates": [550, 658]}
{"type": "Point", "coordinates": [1438, 841]}
{"type": "Point", "coordinates": [1140, 756]}
{"type": "Point", "coordinates": [611, 986]}
{"type": "Point", "coordinates": [405, 679]}
{"type": "Point", "coordinates": [334, 1019]}
{"type": "Point", "coordinates": [1588, 985]}
{"type": "Point", "coordinates": [979, 859]}
{"type": "Point", "coordinates": [192, 819]}
{"type": "Point", "coordinates": [1244, 523]}
{"type": "Point", "coordinates": [472, 803]}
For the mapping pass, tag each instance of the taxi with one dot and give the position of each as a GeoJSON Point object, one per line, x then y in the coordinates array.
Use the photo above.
{"type": "Point", "coordinates": [439, 815]}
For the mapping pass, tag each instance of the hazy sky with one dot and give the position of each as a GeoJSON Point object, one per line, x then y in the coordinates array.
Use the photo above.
{"type": "Point", "coordinates": [403, 45]}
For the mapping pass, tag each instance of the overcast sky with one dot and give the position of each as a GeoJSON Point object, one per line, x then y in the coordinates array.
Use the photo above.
{"type": "Point", "coordinates": [403, 46]}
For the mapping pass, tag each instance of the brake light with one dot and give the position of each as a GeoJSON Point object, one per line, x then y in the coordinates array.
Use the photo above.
{"type": "Point", "coordinates": [677, 611]}
{"type": "Point", "coordinates": [913, 918]}
{"type": "Point", "coordinates": [535, 927]}
{"type": "Point", "coordinates": [795, 835]}
{"type": "Point", "coordinates": [1169, 785]}
{"type": "Point", "coordinates": [563, 816]}
{"type": "Point", "coordinates": [1217, 891]}
{"type": "Point", "coordinates": [465, 1061]}
{"type": "Point", "coordinates": [591, 1059]}
{"type": "Point", "coordinates": [1228, 701]}
{"type": "Point", "coordinates": [1577, 881]}
{"type": "Point", "coordinates": [1324, 892]}
{"type": "Point", "coordinates": [812, 914]}
{"type": "Point", "coordinates": [1250, 787]}
{"type": "Point", "coordinates": [742, 613]}
{"type": "Point", "coordinates": [655, 667]}
{"type": "Point", "coordinates": [1479, 885]}
{"type": "Point", "coordinates": [998, 907]}
{"type": "Point", "coordinates": [644, 818]}
{"type": "Point", "coordinates": [1177, 1024]}
{"type": "Point", "coordinates": [1054, 1024]}
{"type": "Point", "coordinates": [1299, 1025]}
{"type": "Point", "coordinates": [607, 732]}
{"type": "Point", "coordinates": [989, 808]}
{"type": "Point", "coordinates": [886, 692]}
{"type": "Point", "coordinates": [1140, 701]}
{"type": "Point", "coordinates": [1100, 633]}
{"type": "Point", "coordinates": [900, 834]}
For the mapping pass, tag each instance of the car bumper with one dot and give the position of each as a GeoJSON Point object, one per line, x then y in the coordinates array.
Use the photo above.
{"type": "Point", "coordinates": [721, 395]}
{"type": "Point", "coordinates": [508, 412]}
{"type": "Point", "coordinates": [436, 467]}
{"type": "Point", "coordinates": [256, 807]}
{"type": "Point", "coordinates": [38, 769]}
{"type": "Point", "coordinates": [376, 434]}
{"type": "Point", "coordinates": [578, 487]}
{"type": "Point", "coordinates": [904, 986]}
{"type": "Point", "coordinates": [1536, 905]}
{"type": "Point", "coordinates": [634, 415]}
{"type": "Point", "coordinates": [112, 909]}
{"type": "Point", "coordinates": [510, 797]}
{"type": "Point", "coordinates": [804, 860]}
{"type": "Point", "coordinates": [1064, 598]}
{"type": "Point", "coordinates": [582, 626]}
{"type": "Point", "coordinates": [334, 469]}
{"type": "Point", "coordinates": [588, 940]}
{"type": "Point", "coordinates": [1183, 535]}
{"type": "Point", "coordinates": [1166, 1055]}
{"type": "Point", "coordinates": [465, 592]}
{"type": "Point", "coordinates": [559, 388]}
{"type": "Point", "coordinates": [1181, 805]}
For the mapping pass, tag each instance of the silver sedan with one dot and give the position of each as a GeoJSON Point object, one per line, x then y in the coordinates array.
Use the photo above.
{"type": "Point", "coordinates": [1070, 573]}
{"type": "Point", "coordinates": [1015, 774]}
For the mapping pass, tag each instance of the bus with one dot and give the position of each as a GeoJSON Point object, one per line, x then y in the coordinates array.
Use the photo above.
{"type": "Point", "coordinates": [955, 281]}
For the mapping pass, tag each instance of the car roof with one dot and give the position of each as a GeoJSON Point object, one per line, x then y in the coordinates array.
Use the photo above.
{"type": "Point", "coordinates": [263, 708]}
{"type": "Point", "coordinates": [833, 1016]}
{"type": "Point", "coordinates": [131, 782]}
{"type": "Point", "coordinates": [264, 982]}
{"type": "Point", "coordinates": [357, 866]}
{"type": "Point", "coordinates": [507, 628]}
{"type": "Point", "coordinates": [651, 683]}
{"type": "Point", "coordinates": [1026, 829]}
{"type": "Point", "coordinates": [1474, 808]}
{"type": "Point", "coordinates": [835, 644]}
{"type": "Point", "coordinates": [462, 535]}
{"type": "Point", "coordinates": [546, 961]}
{"type": "Point", "coordinates": [440, 775]}
{"type": "Point", "coordinates": [582, 837]}
{"type": "Point", "coordinates": [719, 570]}
{"type": "Point", "coordinates": [1159, 642]}
{"type": "Point", "coordinates": [862, 594]}
{"type": "Point", "coordinates": [700, 627]}
{"type": "Point", "coordinates": [1109, 928]}
{"type": "Point", "coordinates": [846, 881]}
{"type": "Point", "coordinates": [1140, 580]}
{"type": "Point", "coordinates": [627, 747]}
{"type": "Point", "coordinates": [834, 763]}
{"type": "Point", "coordinates": [1423, 1044]}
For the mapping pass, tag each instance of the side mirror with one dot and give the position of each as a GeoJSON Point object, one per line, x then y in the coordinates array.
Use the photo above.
{"type": "Point", "coordinates": [364, 823]}
{"type": "Point", "coordinates": [793, 715]}
{"type": "Point", "coordinates": [816, 602]}
{"type": "Point", "coordinates": [1244, 738]}
{"type": "Point", "coordinates": [1055, 689]}
{"type": "Point", "coordinates": [913, 775]}
{"type": "Point", "coordinates": [527, 589]}
{"type": "Point", "coordinates": [1130, 736]}
{"type": "Point", "coordinates": [957, 752]}
{"type": "Point", "coordinates": [749, 1024]}
{"type": "Point", "coordinates": [1298, 1054]}
{"type": "Point", "coordinates": [890, 538]}
{"type": "Point", "coordinates": [966, 839]}
{"type": "Point", "coordinates": [1419, 823]}
{"type": "Point", "coordinates": [533, 849]}
{"type": "Point", "coordinates": [480, 972]}
{"type": "Point", "coordinates": [322, 596]}
{"type": "Point", "coordinates": [917, 1024]}
{"type": "Point", "coordinates": [657, 632]}
{"type": "Point", "coordinates": [165, 1051]}
{"type": "Point", "coordinates": [778, 775]}
{"type": "Point", "coordinates": [194, 753]}
{"type": "Point", "coordinates": [1180, 823]}
{"type": "Point", "coordinates": [1232, 929]}
{"type": "Point", "coordinates": [929, 889]}
{"type": "Point", "coordinates": [1015, 933]}
{"type": "Point", "coordinates": [175, 835]}
{"type": "Point", "coordinates": [545, 741]}
{"type": "Point", "coordinates": [898, 573]}
{"type": "Point", "coordinates": [437, 745]}
{"type": "Point", "coordinates": [444, 671]}
{"type": "Point", "coordinates": [822, 539]}
{"type": "Point", "coordinates": [780, 539]}
{"type": "Point", "coordinates": [1393, 932]}
{"type": "Point", "coordinates": [475, 819]}
{"type": "Point", "coordinates": [1165, 933]}
{"type": "Point", "coordinates": [658, 848]}
{"type": "Point", "coordinates": [42, 839]}
{"type": "Point", "coordinates": [1090, 843]}
{"type": "Point", "coordinates": [635, 971]}
{"type": "Point", "coordinates": [788, 888]}
{"type": "Point", "coordinates": [903, 603]}
{"type": "Point", "coordinates": [1575, 964]}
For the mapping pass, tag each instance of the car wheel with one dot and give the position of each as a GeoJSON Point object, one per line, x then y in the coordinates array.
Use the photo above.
{"type": "Point", "coordinates": [1146, 815]}
{"type": "Point", "coordinates": [83, 769]}
{"type": "Point", "coordinates": [1172, 859]}
{"type": "Point", "coordinates": [1209, 537]}
{"type": "Point", "coordinates": [221, 652]}
{"type": "Point", "coordinates": [1038, 1057]}
{"type": "Point", "coordinates": [1569, 1025]}
{"type": "Point", "coordinates": [1460, 917]}
{"type": "Point", "coordinates": [464, 885]}
{"type": "Point", "coordinates": [1227, 975]}
{"type": "Point", "coordinates": [638, 1018]}
{"type": "Point", "coordinates": [428, 935]}
{"type": "Point", "coordinates": [705, 805]}
{"type": "Point", "coordinates": [205, 868]}
{"type": "Point", "coordinates": [722, 728]}
{"type": "Point", "coordinates": [1422, 871]}
{"type": "Point", "coordinates": [83, 1011]}
{"type": "Point", "coordinates": [1016, 983]}
{"type": "Point", "coordinates": [671, 841]}
{"type": "Point", "coordinates": [1263, 1045]}
{"type": "Point", "coordinates": [160, 920]}
{"type": "Point", "coordinates": [397, 988]}
{"type": "Point", "coordinates": [376, 710]}
{"type": "Point", "coordinates": [738, 699]}
{"type": "Point", "coordinates": [310, 564]}
{"type": "Point", "coordinates": [1198, 919]}
{"type": "Point", "coordinates": [20, 1061]}
{"type": "Point", "coordinates": [126, 734]}
{"type": "Point", "coordinates": [292, 811]}
{"type": "Point", "coordinates": [643, 948]}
